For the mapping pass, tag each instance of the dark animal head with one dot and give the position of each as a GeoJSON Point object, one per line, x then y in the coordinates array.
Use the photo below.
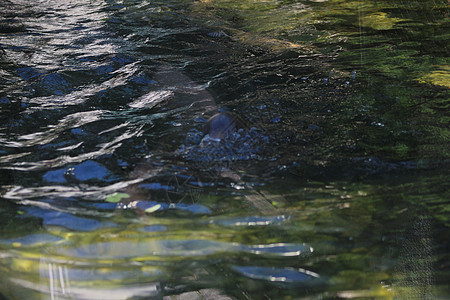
{"type": "Point", "coordinates": [222, 124]}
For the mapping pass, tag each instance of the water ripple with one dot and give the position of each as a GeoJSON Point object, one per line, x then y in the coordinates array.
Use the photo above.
{"type": "Point", "coordinates": [176, 248]}
{"type": "Point", "coordinates": [82, 192]}
{"type": "Point", "coordinates": [54, 131]}
{"type": "Point", "coordinates": [79, 96]}
{"type": "Point", "coordinates": [105, 148]}
{"type": "Point", "coordinates": [274, 274]}
{"type": "Point", "coordinates": [251, 221]}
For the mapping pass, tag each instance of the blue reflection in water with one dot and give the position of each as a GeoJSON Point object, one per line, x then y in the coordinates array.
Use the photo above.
{"type": "Point", "coordinates": [279, 274]}
{"type": "Point", "coordinates": [154, 228]}
{"type": "Point", "coordinates": [63, 219]}
{"type": "Point", "coordinates": [91, 170]}
{"type": "Point", "coordinates": [56, 176]}
{"type": "Point", "coordinates": [27, 73]}
{"type": "Point", "coordinates": [54, 84]}
{"type": "Point", "coordinates": [32, 240]}
{"type": "Point", "coordinates": [78, 131]}
{"type": "Point", "coordinates": [156, 186]}
{"type": "Point", "coordinates": [84, 171]}
{"type": "Point", "coordinates": [101, 205]}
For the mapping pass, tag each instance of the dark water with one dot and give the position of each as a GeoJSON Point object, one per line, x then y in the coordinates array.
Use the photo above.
{"type": "Point", "coordinates": [337, 189]}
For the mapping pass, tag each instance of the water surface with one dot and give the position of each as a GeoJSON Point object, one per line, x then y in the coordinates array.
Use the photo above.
{"type": "Point", "coordinates": [337, 189]}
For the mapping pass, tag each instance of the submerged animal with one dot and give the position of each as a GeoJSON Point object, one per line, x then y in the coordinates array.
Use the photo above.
{"type": "Point", "coordinates": [221, 125]}
{"type": "Point", "coordinates": [225, 138]}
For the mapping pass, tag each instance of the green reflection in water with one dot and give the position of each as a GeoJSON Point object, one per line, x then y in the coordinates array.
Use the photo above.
{"type": "Point", "coordinates": [382, 239]}
{"type": "Point", "coordinates": [368, 240]}
{"type": "Point", "coordinates": [397, 38]}
{"type": "Point", "coordinates": [398, 50]}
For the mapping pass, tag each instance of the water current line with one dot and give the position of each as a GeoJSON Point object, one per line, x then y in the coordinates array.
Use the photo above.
{"type": "Point", "coordinates": [50, 275]}
{"type": "Point", "coordinates": [61, 279]}
{"type": "Point", "coordinates": [361, 36]}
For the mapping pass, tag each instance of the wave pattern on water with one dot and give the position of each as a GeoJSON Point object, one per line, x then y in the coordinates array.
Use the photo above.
{"type": "Point", "coordinates": [109, 189]}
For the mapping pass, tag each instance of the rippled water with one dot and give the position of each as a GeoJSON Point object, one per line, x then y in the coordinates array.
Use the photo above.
{"type": "Point", "coordinates": [337, 188]}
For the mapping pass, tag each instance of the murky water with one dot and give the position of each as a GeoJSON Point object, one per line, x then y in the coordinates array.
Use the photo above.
{"type": "Point", "coordinates": [337, 188]}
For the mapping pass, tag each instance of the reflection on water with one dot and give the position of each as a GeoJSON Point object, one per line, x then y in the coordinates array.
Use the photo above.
{"type": "Point", "coordinates": [336, 188]}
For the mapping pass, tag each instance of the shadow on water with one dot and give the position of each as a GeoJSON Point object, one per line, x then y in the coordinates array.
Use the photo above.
{"type": "Point", "coordinates": [336, 188]}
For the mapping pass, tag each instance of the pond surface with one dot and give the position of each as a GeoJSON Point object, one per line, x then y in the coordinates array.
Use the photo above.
{"type": "Point", "coordinates": [337, 188]}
